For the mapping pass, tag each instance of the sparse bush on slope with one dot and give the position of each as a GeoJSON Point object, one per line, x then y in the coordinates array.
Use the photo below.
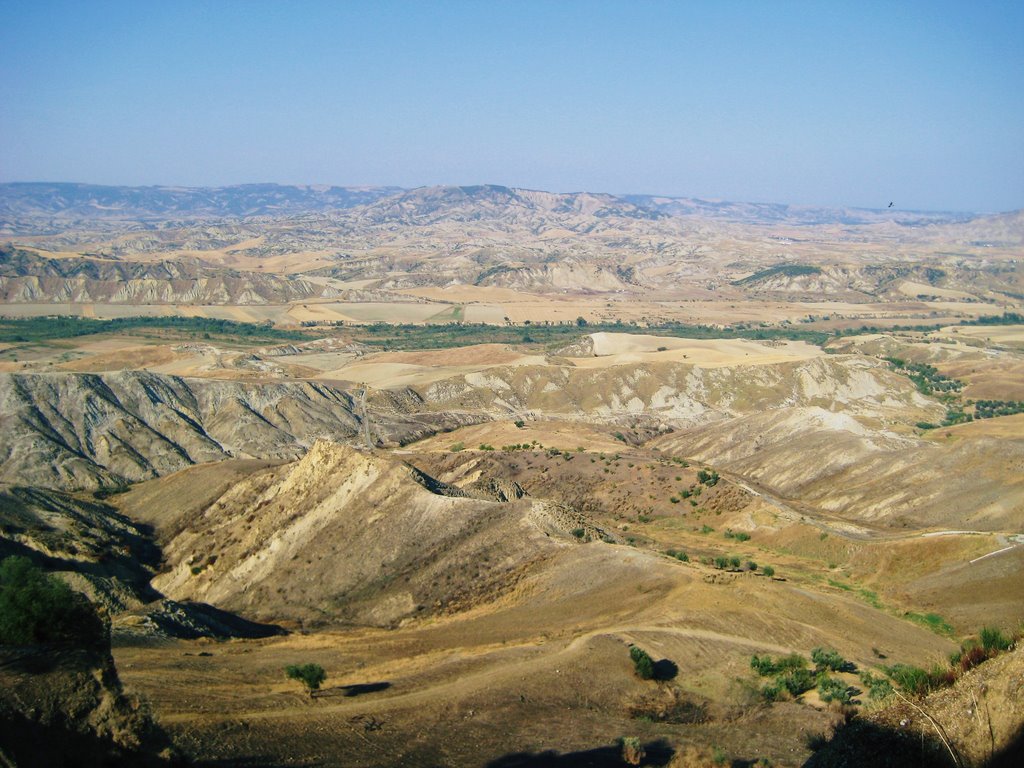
{"type": "Point", "coordinates": [310, 675]}
{"type": "Point", "coordinates": [643, 664]}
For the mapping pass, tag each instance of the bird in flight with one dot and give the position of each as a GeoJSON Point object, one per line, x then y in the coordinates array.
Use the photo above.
{"type": "Point", "coordinates": [890, 203]}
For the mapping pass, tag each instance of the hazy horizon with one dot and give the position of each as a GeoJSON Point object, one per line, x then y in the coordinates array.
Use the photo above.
{"type": "Point", "coordinates": [790, 103]}
{"type": "Point", "coordinates": [614, 193]}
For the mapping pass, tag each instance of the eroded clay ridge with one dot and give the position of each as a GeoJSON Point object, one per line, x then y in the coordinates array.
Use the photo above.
{"type": "Point", "coordinates": [77, 431]}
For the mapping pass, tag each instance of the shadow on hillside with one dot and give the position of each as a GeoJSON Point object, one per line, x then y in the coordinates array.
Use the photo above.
{"type": "Point", "coordinates": [221, 623]}
{"type": "Point", "coordinates": [666, 669]}
{"type": "Point", "coordinates": [256, 762]}
{"type": "Point", "coordinates": [867, 745]}
{"type": "Point", "coordinates": [356, 689]}
{"type": "Point", "coordinates": [658, 753]}
{"type": "Point", "coordinates": [1012, 755]}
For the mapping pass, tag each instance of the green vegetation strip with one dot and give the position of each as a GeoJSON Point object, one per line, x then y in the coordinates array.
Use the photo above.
{"type": "Point", "coordinates": [441, 336]}
{"type": "Point", "coordinates": [409, 336]}
{"type": "Point", "coordinates": [932, 621]}
{"type": "Point", "coordinates": [931, 383]}
{"type": "Point", "coordinates": [64, 327]}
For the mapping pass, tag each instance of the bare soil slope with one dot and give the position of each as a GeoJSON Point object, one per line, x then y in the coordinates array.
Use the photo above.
{"type": "Point", "coordinates": [348, 535]}
{"type": "Point", "coordinates": [868, 474]}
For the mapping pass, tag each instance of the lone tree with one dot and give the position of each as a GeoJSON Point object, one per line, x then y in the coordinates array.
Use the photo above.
{"type": "Point", "coordinates": [643, 664]}
{"type": "Point", "coordinates": [310, 675]}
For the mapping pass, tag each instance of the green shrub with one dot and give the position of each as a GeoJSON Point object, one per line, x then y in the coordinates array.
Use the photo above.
{"type": "Point", "coordinates": [578, 532]}
{"type": "Point", "coordinates": [643, 664]}
{"type": "Point", "coordinates": [707, 477]}
{"type": "Point", "coordinates": [310, 675]}
{"type": "Point", "coordinates": [763, 666]}
{"type": "Point", "coordinates": [797, 681]}
{"type": "Point", "coordinates": [766, 666]}
{"type": "Point", "coordinates": [768, 571]}
{"type": "Point", "coordinates": [771, 691]}
{"type": "Point", "coordinates": [918, 681]}
{"type": "Point", "coordinates": [911, 679]}
{"type": "Point", "coordinates": [828, 659]}
{"type": "Point", "coordinates": [833, 690]}
{"type": "Point", "coordinates": [38, 608]}
{"type": "Point", "coordinates": [878, 687]}
{"type": "Point", "coordinates": [721, 562]}
{"type": "Point", "coordinates": [994, 641]}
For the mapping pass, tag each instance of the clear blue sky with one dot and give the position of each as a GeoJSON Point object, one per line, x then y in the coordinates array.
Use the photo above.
{"type": "Point", "coordinates": [833, 103]}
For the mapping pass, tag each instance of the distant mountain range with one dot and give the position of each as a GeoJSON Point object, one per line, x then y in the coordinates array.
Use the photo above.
{"type": "Point", "coordinates": [91, 202]}
{"type": "Point", "coordinates": [268, 244]}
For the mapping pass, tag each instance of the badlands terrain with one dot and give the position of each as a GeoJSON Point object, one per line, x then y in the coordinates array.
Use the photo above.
{"type": "Point", "coordinates": [465, 447]}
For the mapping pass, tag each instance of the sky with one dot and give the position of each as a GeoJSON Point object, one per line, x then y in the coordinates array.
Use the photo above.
{"type": "Point", "coordinates": [814, 103]}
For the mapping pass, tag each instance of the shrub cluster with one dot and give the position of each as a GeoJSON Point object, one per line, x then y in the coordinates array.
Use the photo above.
{"type": "Point", "coordinates": [830, 689]}
{"type": "Point", "coordinates": [707, 477]}
{"type": "Point", "coordinates": [733, 563]}
{"type": "Point", "coordinates": [878, 687]}
{"type": "Point", "coordinates": [826, 659]}
{"type": "Point", "coordinates": [36, 608]}
{"type": "Point", "coordinates": [790, 675]}
{"type": "Point", "coordinates": [643, 664]}
{"type": "Point", "coordinates": [766, 666]}
{"type": "Point", "coordinates": [987, 409]}
{"type": "Point", "coordinates": [926, 377]}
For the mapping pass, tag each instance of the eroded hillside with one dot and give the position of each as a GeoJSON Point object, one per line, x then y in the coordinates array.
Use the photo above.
{"type": "Point", "coordinates": [86, 431]}
{"type": "Point", "coordinates": [381, 541]}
